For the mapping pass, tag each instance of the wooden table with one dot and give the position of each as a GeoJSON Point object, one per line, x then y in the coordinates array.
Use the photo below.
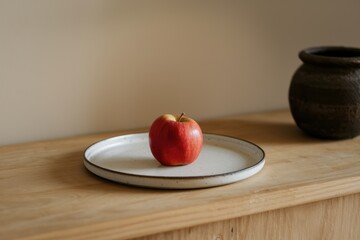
{"type": "Point", "coordinates": [308, 189]}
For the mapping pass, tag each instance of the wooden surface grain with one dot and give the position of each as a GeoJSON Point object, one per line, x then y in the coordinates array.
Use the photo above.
{"type": "Point", "coordinates": [46, 193]}
{"type": "Point", "coordinates": [331, 219]}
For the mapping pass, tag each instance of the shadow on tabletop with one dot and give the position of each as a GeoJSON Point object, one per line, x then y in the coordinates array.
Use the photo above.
{"type": "Point", "coordinates": [261, 132]}
{"type": "Point", "coordinates": [68, 171]}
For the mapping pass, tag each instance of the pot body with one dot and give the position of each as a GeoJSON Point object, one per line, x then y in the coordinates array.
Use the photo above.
{"type": "Point", "coordinates": [324, 94]}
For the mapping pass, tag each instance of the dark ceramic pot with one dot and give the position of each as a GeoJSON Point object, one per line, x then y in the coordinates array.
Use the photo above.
{"type": "Point", "coordinates": [324, 94]}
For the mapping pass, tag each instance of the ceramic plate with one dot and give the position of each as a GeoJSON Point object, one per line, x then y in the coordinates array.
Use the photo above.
{"type": "Point", "coordinates": [127, 159]}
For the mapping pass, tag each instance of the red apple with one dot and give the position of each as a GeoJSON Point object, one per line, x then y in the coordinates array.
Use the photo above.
{"type": "Point", "coordinates": [175, 140]}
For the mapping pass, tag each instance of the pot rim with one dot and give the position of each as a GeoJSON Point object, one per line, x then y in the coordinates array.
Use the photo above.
{"type": "Point", "coordinates": [331, 55]}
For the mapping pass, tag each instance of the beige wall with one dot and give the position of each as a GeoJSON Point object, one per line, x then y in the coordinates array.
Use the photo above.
{"type": "Point", "coordinates": [76, 67]}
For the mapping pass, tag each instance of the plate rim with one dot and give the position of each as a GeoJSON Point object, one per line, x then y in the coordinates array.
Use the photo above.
{"type": "Point", "coordinates": [260, 162]}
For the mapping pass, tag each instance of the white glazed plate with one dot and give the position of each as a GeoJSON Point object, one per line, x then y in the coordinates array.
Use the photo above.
{"type": "Point", "coordinates": [127, 159]}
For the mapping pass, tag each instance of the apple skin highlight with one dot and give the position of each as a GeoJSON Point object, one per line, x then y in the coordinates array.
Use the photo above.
{"type": "Point", "coordinates": [175, 140]}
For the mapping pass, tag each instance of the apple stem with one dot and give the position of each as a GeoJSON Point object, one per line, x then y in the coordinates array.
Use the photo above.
{"type": "Point", "coordinates": [182, 114]}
